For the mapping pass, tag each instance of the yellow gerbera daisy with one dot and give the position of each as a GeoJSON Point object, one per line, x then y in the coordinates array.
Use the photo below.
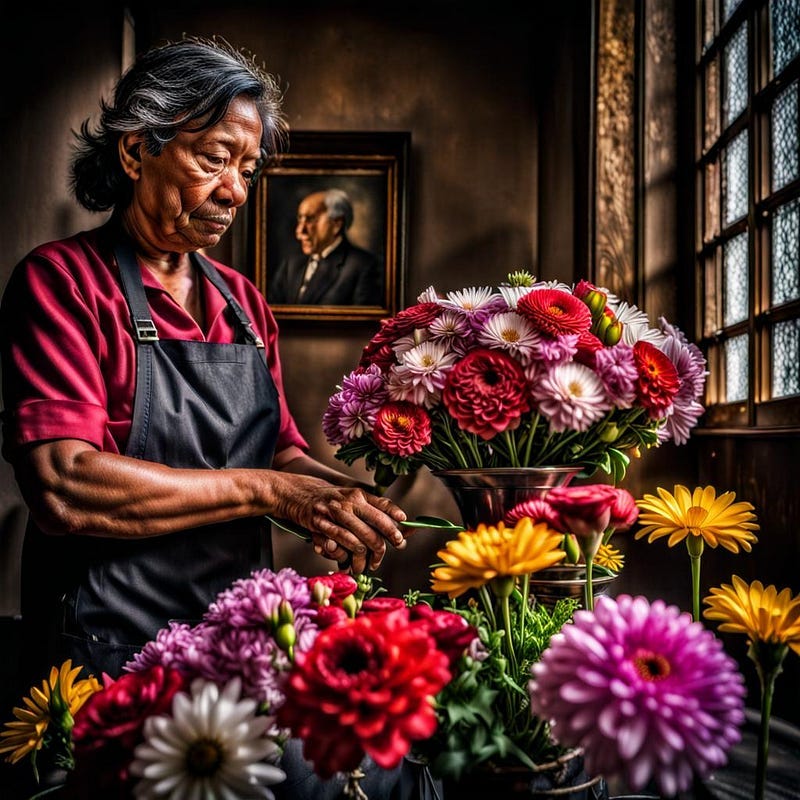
{"type": "Point", "coordinates": [26, 734]}
{"type": "Point", "coordinates": [764, 615]}
{"type": "Point", "coordinates": [717, 520]}
{"type": "Point", "coordinates": [477, 557]}
{"type": "Point", "coordinates": [609, 557]}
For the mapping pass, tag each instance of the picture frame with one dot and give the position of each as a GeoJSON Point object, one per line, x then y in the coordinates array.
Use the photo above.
{"type": "Point", "coordinates": [372, 167]}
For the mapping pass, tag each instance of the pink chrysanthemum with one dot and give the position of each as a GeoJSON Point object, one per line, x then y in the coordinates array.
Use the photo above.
{"type": "Point", "coordinates": [402, 429]}
{"type": "Point", "coordinates": [538, 509]}
{"type": "Point", "coordinates": [648, 694]}
{"type": "Point", "coordinates": [486, 392]}
{"type": "Point", "coordinates": [555, 351]}
{"type": "Point", "coordinates": [178, 646]}
{"type": "Point", "coordinates": [554, 312]}
{"type": "Point", "coordinates": [617, 369]}
{"type": "Point", "coordinates": [421, 374]}
{"type": "Point", "coordinates": [571, 397]}
{"type": "Point", "coordinates": [256, 600]}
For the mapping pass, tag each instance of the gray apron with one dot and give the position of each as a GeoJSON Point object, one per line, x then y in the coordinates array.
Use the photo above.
{"type": "Point", "coordinates": [197, 405]}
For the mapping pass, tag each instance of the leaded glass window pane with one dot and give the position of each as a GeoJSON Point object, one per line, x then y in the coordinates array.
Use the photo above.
{"type": "Point", "coordinates": [786, 358]}
{"type": "Point", "coordinates": [735, 279]}
{"type": "Point", "coordinates": [786, 253]}
{"type": "Point", "coordinates": [736, 369]}
{"type": "Point", "coordinates": [728, 7]}
{"type": "Point", "coordinates": [735, 187]}
{"type": "Point", "coordinates": [785, 16]}
{"type": "Point", "coordinates": [735, 89]}
{"type": "Point", "coordinates": [785, 146]}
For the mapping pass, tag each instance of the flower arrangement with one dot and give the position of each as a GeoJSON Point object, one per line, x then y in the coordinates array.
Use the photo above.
{"type": "Point", "coordinates": [474, 674]}
{"type": "Point", "coordinates": [528, 374]}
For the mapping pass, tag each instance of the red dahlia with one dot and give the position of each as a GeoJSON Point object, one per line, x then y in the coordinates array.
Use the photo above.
{"type": "Point", "coordinates": [486, 393]}
{"type": "Point", "coordinates": [365, 686]}
{"type": "Point", "coordinates": [402, 429]}
{"type": "Point", "coordinates": [418, 316]}
{"type": "Point", "coordinates": [554, 312]}
{"type": "Point", "coordinates": [658, 381]}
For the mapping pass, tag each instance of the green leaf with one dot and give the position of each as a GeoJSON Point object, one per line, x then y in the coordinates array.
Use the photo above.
{"type": "Point", "coordinates": [432, 522]}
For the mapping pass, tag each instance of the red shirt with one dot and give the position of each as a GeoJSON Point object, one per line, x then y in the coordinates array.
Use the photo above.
{"type": "Point", "coordinates": [69, 358]}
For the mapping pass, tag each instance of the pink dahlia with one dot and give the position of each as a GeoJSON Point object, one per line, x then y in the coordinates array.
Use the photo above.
{"type": "Point", "coordinates": [486, 393]}
{"type": "Point", "coordinates": [554, 312]}
{"type": "Point", "coordinates": [646, 692]}
{"type": "Point", "coordinates": [366, 686]}
{"type": "Point", "coordinates": [402, 429]}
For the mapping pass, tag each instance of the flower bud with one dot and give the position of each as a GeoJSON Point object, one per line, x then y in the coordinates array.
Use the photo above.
{"type": "Point", "coordinates": [351, 605]}
{"type": "Point", "coordinates": [571, 548]}
{"type": "Point", "coordinates": [608, 432]}
{"type": "Point", "coordinates": [285, 613]}
{"type": "Point", "coordinates": [613, 333]}
{"type": "Point", "coordinates": [285, 637]}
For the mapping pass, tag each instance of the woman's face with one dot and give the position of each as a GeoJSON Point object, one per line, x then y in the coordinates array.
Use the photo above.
{"type": "Point", "coordinates": [186, 198]}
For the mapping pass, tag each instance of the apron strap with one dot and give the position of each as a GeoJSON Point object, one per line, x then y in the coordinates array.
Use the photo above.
{"type": "Point", "coordinates": [144, 328]}
{"type": "Point", "coordinates": [212, 274]}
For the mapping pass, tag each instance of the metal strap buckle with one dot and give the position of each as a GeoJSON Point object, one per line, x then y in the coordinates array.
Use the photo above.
{"type": "Point", "coordinates": [145, 330]}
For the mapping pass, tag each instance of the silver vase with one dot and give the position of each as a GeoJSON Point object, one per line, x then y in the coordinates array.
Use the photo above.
{"type": "Point", "coordinates": [486, 495]}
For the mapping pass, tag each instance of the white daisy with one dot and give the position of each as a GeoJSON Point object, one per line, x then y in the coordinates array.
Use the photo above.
{"type": "Point", "coordinates": [470, 299]}
{"type": "Point", "coordinates": [213, 745]}
{"type": "Point", "coordinates": [511, 294]}
{"type": "Point", "coordinates": [635, 324]}
{"type": "Point", "coordinates": [510, 332]}
{"type": "Point", "coordinates": [430, 295]}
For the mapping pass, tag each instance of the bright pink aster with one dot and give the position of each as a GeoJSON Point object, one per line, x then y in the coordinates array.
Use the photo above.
{"type": "Point", "coordinates": [658, 381]}
{"type": "Point", "coordinates": [486, 393]}
{"type": "Point", "coordinates": [401, 324]}
{"type": "Point", "coordinates": [554, 312]}
{"type": "Point", "coordinates": [538, 509]}
{"type": "Point", "coordinates": [402, 429]}
{"type": "Point", "coordinates": [647, 693]}
{"type": "Point", "coordinates": [364, 687]}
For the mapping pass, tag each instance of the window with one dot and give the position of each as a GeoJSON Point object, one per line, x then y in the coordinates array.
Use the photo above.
{"type": "Point", "coordinates": [748, 216]}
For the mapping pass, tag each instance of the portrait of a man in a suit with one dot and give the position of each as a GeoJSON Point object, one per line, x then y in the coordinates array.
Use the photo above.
{"type": "Point", "coordinates": [329, 269]}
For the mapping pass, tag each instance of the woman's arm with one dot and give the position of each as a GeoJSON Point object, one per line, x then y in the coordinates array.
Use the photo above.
{"type": "Point", "coordinates": [72, 488]}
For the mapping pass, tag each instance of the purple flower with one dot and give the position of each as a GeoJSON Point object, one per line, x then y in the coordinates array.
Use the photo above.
{"type": "Point", "coordinates": [647, 693]}
{"type": "Point", "coordinates": [178, 646]}
{"type": "Point", "coordinates": [555, 350]}
{"type": "Point", "coordinates": [617, 369]}
{"type": "Point", "coordinates": [690, 364]}
{"type": "Point", "coordinates": [254, 601]}
{"type": "Point", "coordinates": [331, 420]}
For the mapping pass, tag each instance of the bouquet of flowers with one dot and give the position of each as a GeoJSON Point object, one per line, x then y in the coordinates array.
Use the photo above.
{"type": "Point", "coordinates": [529, 374]}
{"type": "Point", "coordinates": [206, 710]}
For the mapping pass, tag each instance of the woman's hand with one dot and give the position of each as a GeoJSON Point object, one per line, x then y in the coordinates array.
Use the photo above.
{"type": "Point", "coordinates": [344, 521]}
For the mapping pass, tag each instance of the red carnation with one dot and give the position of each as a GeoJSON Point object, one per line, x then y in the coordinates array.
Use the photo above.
{"type": "Point", "coordinates": [109, 725]}
{"type": "Point", "coordinates": [402, 429]}
{"type": "Point", "coordinates": [624, 511]}
{"type": "Point", "coordinates": [554, 312]}
{"type": "Point", "coordinates": [333, 588]}
{"type": "Point", "coordinates": [584, 510]}
{"type": "Point", "coordinates": [379, 605]}
{"type": "Point", "coordinates": [453, 634]}
{"type": "Point", "coordinates": [364, 687]}
{"type": "Point", "coordinates": [658, 381]}
{"type": "Point", "coordinates": [418, 316]}
{"type": "Point", "coordinates": [588, 345]}
{"type": "Point", "coordinates": [486, 392]}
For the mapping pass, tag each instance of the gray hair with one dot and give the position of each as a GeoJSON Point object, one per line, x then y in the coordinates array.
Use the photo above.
{"type": "Point", "coordinates": [166, 90]}
{"type": "Point", "coordinates": [338, 206]}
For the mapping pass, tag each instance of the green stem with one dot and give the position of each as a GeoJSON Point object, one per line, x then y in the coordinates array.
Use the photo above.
{"type": "Point", "coordinates": [523, 611]}
{"type": "Point", "coordinates": [767, 690]}
{"type": "Point", "coordinates": [488, 606]}
{"type": "Point", "coordinates": [588, 595]}
{"type": "Point", "coordinates": [512, 656]}
{"type": "Point", "coordinates": [695, 587]}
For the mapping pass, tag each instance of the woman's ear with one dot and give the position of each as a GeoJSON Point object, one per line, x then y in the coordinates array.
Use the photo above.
{"type": "Point", "coordinates": [130, 145]}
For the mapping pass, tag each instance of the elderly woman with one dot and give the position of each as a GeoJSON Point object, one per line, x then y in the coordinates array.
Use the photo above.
{"type": "Point", "coordinates": [144, 409]}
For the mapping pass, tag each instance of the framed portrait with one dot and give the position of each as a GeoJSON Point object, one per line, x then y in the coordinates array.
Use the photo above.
{"type": "Point", "coordinates": [362, 277]}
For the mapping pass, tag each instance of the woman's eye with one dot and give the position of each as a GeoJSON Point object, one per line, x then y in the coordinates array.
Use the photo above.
{"type": "Point", "coordinates": [215, 162]}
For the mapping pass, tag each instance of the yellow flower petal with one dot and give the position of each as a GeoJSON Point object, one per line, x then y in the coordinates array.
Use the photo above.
{"type": "Point", "coordinates": [476, 557]}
